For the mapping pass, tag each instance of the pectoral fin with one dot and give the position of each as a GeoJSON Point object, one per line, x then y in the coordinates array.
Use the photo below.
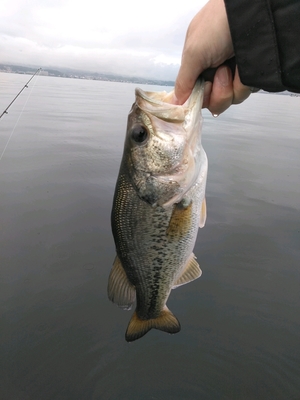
{"type": "Point", "coordinates": [181, 220]}
{"type": "Point", "coordinates": [120, 290]}
{"type": "Point", "coordinates": [203, 214]}
{"type": "Point", "coordinates": [191, 272]}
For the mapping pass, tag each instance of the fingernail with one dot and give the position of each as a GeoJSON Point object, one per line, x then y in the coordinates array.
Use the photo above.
{"type": "Point", "coordinates": [222, 75]}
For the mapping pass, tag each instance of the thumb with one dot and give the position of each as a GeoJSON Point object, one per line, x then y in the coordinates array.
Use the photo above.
{"type": "Point", "coordinates": [184, 84]}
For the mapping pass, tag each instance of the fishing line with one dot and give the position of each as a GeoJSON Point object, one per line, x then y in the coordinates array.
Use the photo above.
{"type": "Point", "coordinates": [5, 112]}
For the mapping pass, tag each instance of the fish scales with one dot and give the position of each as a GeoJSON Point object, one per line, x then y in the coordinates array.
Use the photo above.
{"type": "Point", "coordinates": [154, 220]}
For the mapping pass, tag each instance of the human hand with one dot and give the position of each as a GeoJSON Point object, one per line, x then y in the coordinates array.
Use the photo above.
{"type": "Point", "coordinates": [208, 44]}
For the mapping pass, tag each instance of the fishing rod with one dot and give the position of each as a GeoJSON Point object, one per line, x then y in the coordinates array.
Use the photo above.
{"type": "Point", "coordinates": [25, 86]}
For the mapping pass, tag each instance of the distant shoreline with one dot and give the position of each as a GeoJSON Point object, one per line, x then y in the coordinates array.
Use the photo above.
{"type": "Point", "coordinates": [95, 76]}
{"type": "Point", "coordinates": [75, 74]}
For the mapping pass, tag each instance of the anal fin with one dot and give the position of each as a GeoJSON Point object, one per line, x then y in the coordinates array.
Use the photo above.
{"type": "Point", "coordinates": [120, 290]}
{"type": "Point", "coordinates": [137, 327]}
{"type": "Point", "coordinates": [191, 272]}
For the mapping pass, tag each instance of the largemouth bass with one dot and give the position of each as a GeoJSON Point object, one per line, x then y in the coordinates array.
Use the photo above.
{"type": "Point", "coordinates": [158, 206]}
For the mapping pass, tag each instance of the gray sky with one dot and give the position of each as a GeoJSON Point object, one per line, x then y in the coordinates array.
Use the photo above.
{"type": "Point", "coordinates": [128, 37]}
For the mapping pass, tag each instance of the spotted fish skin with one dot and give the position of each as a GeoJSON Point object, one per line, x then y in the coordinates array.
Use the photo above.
{"type": "Point", "coordinates": [157, 212]}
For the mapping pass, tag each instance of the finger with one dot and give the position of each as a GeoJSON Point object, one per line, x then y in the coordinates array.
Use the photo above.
{"type": "Point", "coordinates": [206, 94]}
{"type": "Point", "coordinates": [186, 79]}
{"type": "Point", "coordinates": [191, 64]}
{"type": "Point", "coordinates": [240, 91]}
{"type": "Point", "coordinates": [221, 96]}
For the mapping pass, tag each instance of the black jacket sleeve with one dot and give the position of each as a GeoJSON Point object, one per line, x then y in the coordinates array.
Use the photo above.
{"type": "Point", "coordinates": [266, 40]}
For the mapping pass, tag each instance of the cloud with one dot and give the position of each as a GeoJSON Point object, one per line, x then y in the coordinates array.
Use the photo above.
{"type": "Point", "coordinates": [126, 38]}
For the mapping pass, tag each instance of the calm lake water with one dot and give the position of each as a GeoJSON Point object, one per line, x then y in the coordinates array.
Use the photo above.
{"type": "Point", "coordinates": [61, 338]}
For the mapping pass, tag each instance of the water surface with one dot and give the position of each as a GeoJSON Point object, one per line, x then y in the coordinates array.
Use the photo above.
{"type": "Point", "coordinates": [60, 337]}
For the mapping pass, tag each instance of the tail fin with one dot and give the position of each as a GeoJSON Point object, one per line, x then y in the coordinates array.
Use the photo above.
{"type": "Point", "coordinates": [137, 327]}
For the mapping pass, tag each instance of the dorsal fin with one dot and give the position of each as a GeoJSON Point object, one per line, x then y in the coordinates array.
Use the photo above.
{"type": "Point", "coordinates": [191, 272]}
{"type": "Point", "coordinates": [120, 290]}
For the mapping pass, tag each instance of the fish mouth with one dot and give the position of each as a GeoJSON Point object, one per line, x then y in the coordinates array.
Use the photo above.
{"type": "Point", "coordinates": [158, 105]}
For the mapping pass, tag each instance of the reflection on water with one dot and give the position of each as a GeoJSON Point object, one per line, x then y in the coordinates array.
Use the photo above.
{"type": "Point", "coordinates": [61, 338]}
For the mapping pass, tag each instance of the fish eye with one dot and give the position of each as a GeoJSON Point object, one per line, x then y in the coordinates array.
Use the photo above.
{"type": "Point", "coordinates": [139, 134]}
